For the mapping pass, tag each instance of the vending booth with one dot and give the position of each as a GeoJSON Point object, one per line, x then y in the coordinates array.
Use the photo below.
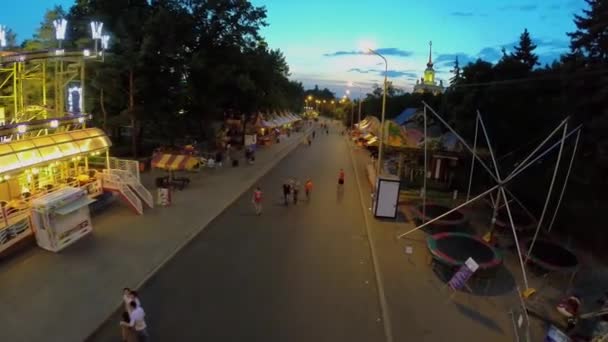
{"type": "Point", "coordinates": [61, 218]}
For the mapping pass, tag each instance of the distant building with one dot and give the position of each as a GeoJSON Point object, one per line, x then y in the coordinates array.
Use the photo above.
{"type": "Point", "coordinates": [427, 84]}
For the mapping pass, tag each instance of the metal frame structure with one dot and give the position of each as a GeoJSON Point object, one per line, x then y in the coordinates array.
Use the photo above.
{"type": "Point", "coordinates": [501, 182]}
{"type": "Point", "coordinates": [48, 73]}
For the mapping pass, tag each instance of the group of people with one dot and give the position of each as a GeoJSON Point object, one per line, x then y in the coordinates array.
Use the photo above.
{"type": "Point", "coordinates": [133, 324]}
{"type": "Point", "coordinates": [291, 187]}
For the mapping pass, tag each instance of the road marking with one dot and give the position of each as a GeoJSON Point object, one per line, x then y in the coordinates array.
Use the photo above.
{"type": "Point", "coordinates": [388, 331]}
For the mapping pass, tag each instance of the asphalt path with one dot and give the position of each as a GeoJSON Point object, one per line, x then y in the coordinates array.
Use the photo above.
{"type": "Point", "coordinates": [296, 273]}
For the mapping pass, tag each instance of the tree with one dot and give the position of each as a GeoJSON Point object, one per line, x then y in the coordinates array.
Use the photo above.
{"type": "Point", "coordinates": [44, 37]}
{"type": "Point", "coordinates": [524, 51]}
{"type": "Point", "coordinates": [456, 71]}
{"type": "Point", "coordinates": [590, 38]}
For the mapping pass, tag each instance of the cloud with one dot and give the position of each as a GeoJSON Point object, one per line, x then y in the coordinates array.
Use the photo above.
{"type": "Point", "coordinates": [521, 8]}
{"type": "Point", "coordinates": [462, 14]}
{"type": "Point", "coordinates": [383, 51]}
{"type": "Point", "coordinates": [390, 73]}
{"type": "Point", "coordinates": [447, 59]}
{"type": "Point", "coordinates": [489, 54]}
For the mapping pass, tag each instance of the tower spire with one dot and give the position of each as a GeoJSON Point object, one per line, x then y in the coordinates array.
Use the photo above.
{"type": "Point", "coordinates": [430, 63]}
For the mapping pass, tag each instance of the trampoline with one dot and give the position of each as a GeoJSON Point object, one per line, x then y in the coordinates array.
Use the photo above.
{"type": "Point", "coordinates": [453, 249]}
{"type": "Point", "coordinates": [434, 210]}
{"type": "Point", "coordinates": [551, 256]}
{"type": "Point", "coordinates": [521, 219]}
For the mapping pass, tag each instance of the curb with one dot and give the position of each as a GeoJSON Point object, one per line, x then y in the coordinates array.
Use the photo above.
{"type": "Point", "coordinates": [278, 157]}
{"type": "Point", "coordinates": [386, 320]}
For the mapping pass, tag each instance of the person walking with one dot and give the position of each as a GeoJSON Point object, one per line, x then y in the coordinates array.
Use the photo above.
{"type": "Point", "coordinates": [126, 332]}
{"type": "Point", "coordinates": [296, 191]}
{"type": "Point", "coordinates": [314, 133]}
{"type": "Point", "coordinates": [286, 191]}
{"type": "Point", "coordinates": [308, 189]}
{"type": "Point", "coordinates": [257, 201]}
{"type": "Point", "coordinates": [341, 179]}
{"type": "Point", "coordinates": [137, 322]}
{"type": "Point", "coordinates": [309, 141]}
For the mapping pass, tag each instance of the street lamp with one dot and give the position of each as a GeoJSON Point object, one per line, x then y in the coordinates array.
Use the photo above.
{"type": "Point", "coordinates": [381, 143]}
{"type": "Point", "coordinates": [60, 28]}
{"type": "Point", "coordinates": [2, 36]}
{"type": "Point", "coordinates": [352, 84]}
{"type": "Point", "coordinates": [96, 32]}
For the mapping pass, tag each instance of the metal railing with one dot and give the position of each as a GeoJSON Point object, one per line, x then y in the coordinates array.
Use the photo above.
{"type": "Point", "coordinates": [134, 183]}
{"type": "Point", "coordinates": [131, 166]}
{"type": "Point", "coordinates": [114, 182]}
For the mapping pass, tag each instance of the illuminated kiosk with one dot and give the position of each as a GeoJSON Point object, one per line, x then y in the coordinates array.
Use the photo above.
{"type": "Point", "coordinates": [45, 145]}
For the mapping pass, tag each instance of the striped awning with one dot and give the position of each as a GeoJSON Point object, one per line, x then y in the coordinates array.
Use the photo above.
{"type": "Point", "coordinates": [173, 162]}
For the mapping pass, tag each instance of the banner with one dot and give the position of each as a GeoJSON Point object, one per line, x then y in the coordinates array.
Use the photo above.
{"type": "Point", "coordinates": [460, 278]}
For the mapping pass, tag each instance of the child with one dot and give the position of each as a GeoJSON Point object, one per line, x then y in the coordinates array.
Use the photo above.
{"type": "Point", "coordinates": [308, 188]}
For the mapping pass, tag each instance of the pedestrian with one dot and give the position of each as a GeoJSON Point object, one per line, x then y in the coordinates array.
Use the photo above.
{"type": "Point", "coordinates": [286, 191]}
{"type": "Point", "coordinates": [257, 201]}
{"type": "Point", "coordinates": [137, 322]}
{"type": "Point", "coordinates": [126, 332]}
{"type": "Point", "coordinates": [308, 188]}
{"type": "Point", "coordinates": [309, 141]}
{"type": "Point", "coordinates": [128, 296]}
{"type": "Point", "coordinates": [314, 133]}
{"type": "Point", "coordinates": [341, 178]}
{"type": "Point", "coordinates": [296, 191]}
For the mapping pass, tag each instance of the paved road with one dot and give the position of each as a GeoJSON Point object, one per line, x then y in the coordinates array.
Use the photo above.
{"type": "Point", "coordinates": [297, 273]}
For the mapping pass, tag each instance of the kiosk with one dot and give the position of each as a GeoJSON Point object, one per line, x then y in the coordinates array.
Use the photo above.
{"type": "Point", "coordinates": [61, 218]}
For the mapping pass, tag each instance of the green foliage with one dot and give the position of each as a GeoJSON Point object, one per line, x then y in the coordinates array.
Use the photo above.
{"type": "Point", "coordinates": [524, 51]}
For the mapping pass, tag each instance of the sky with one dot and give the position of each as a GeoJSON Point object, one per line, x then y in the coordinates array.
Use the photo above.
{"type": "Point", "coordinates": [322, 40]}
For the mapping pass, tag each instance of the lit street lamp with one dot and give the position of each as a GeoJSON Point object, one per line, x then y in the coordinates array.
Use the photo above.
{"type": "Point", "coordinates": [96, 32]}
{"type": "Point", "coordinates": [381, 143]}
{"type": "Point", "coordinates": [60, 28]}
{"type": "Point", "coordinates": [2, 36]}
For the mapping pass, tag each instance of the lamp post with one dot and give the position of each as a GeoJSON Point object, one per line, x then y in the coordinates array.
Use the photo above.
{"type": "Point", "coordinates": [96, 33]}
{"type": "Point", "coordinates": [2, 36]}
{"type": "Point", "coordinates": [352, 84]}
{"type": "Point", "coordinates": [60, 28]}
{"type": "Point", "coordinates": [381, 143]}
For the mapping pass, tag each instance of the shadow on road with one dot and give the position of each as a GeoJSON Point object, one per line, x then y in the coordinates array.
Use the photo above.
{"type": "Point", "coordinates": [478, 317]}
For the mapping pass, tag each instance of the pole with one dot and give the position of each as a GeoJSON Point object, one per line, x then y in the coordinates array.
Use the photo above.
{"type": "Point", "coordinates": [425, 170]}
{"type": "Point", "coordinates": [359, 119]}
{"type": "Point", "coordinates": [521, 261]}
{"type": "Point", "coordinates": [549, 192]}
{"type": "Point", "coordinates": [473, 159]}
{"type": "Point", "coordinates": [561, 195]}
{"type": "Point", "coordinates": [380, 149]}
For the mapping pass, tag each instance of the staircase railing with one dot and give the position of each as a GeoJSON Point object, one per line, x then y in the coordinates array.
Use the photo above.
{"type": "Point", "coordinates": [131, 166]}
{"type": "Point", "coordinates": [134, 183]}
{"type": "Point", "coordinates": [114, 182]}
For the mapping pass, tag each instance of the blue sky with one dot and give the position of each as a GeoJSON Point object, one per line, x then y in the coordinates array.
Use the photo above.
{"type": "Point", "coordinates": [321, 38]}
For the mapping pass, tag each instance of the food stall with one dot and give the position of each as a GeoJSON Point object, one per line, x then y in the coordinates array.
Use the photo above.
{"type": "Point", "coordinates": [34, 167]}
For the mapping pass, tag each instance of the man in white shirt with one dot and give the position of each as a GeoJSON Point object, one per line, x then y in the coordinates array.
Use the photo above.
{"type": "Point", "coordinates": [137, 322]}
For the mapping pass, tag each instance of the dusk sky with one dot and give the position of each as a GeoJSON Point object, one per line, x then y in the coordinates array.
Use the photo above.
{"type": "Point", "coordinates": [322, 39]}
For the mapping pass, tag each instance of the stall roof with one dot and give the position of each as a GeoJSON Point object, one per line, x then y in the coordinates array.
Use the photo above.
{"type": "Point", "coordinates": [174, 162]}
{"type": "Point", "coordinates": [19, 154]}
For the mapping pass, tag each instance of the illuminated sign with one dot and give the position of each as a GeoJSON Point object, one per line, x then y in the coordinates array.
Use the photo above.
{"type": "Point", "coordinates": [105, 40]}
{"type": "Point", "coordinates": [75, 99]}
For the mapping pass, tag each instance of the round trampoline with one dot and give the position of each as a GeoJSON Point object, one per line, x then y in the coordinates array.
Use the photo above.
{"type": "Point", "coordinates": [453, 249]}
{"type": "Point", "coordinates": [433, 210]}
{"type": "Point", "coordinates": [551, 256]}
{"type": "Point", "coordinates": [521, 219]}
